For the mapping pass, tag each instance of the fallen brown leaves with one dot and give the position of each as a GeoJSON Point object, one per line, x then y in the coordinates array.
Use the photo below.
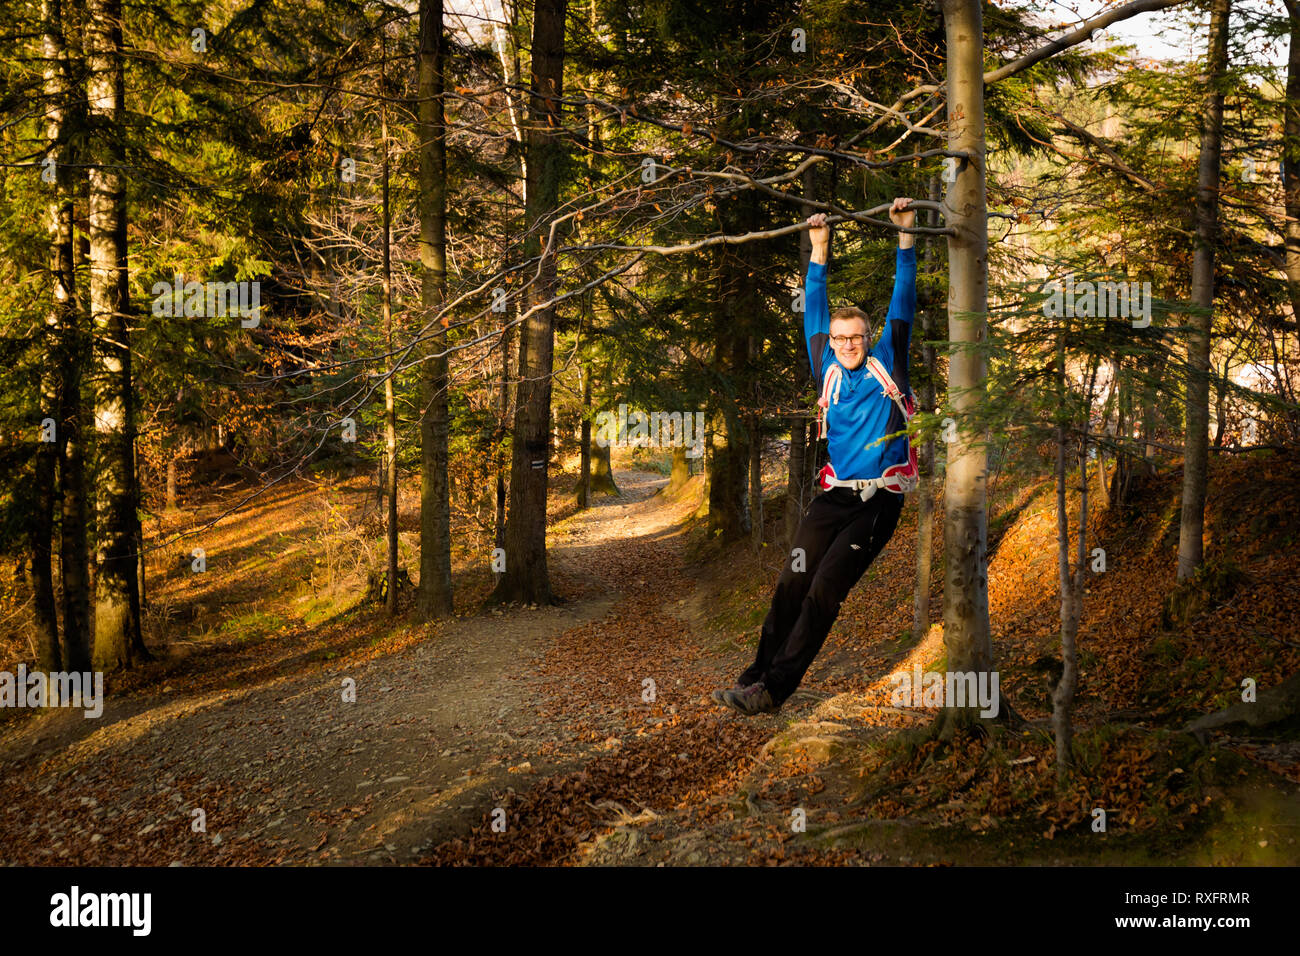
{"type": "Point", "coordinates": [1142, 780]}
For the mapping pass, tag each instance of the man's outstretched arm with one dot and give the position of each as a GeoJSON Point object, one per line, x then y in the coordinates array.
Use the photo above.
{"type": "Point", "coordinates": [896, 336]}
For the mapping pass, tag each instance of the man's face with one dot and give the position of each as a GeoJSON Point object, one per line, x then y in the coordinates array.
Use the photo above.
{"type": "Point", "coordinates": [849, 341]}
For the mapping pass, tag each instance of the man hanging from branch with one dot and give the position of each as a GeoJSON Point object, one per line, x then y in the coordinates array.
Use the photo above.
{"type": "Point", "coordinates": [864, 397]}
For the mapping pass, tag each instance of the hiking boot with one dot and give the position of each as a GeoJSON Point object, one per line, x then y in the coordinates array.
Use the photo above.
{"type": "Point", "coordinates": [720, 695]}
{"type": "Point", "coordinates": [751, 700]}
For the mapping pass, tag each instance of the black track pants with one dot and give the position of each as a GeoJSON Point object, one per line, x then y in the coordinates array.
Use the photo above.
{"type": "Point", "coordinates": [840, 535]}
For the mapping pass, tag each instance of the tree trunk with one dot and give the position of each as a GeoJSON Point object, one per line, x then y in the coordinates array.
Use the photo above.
{"type": "Point", "coordinates": [965, 602]}
{"type": "Point", "coordinates": [1101, 429]}
{"type": "Point", "coordinates": [755, 485]}
{"type": "Point", "coordinates": [41, 573]}
{"type": "Point", "coordinates": [1060, 700]}
{"type": "Point", "coordinates": [143, 569]}
{"type": "Point", "coordinates": [390, 397]}
{"type": "Point", "coordinates": [1221, 404]}
{"type": "Point", "coordinates": [1291, 158]}
{"type": "Point", "coordinates": [62, 402]}
{"type": "Point", "coordinates": [1196, 447]}
{"type": "Point", "coordinates": [733, 311]}
{"type": "Point", "coordinates": [602, 473]}
{"type": "Point", "coordinates": [584, 471]}
{"type": "Point", "coordinates": [1118, 483]}
{"type": "Point", "coordinates": [510, 75]}
{"type": "Point", "coordinates": [81, 259]}
{"type": "Point", "coordinates": [680, 473]}
{"type": "Point", "coordinates": [1150, 412]}
{"type": "Point", "coordinates": [706, 469]}
{"type": "Point", "coordinates": [925, 457]}
{"type": "Point", "coordinates": [727, 479]}
{"type": "Point", "coordinates": [435, 597]}
{"type": "Point", "coordinates": [498, 441]}
{"type": "Point", "coordinates": [1112, 397]}
{"type": "Point", "coordinates": [526, 577]}
{"type": "Point", "coordinates": [1071, 586]}
{"type": "Point", "coordinates": [594, 137]}
{"type": "Point", "coordinates": [118, 642]}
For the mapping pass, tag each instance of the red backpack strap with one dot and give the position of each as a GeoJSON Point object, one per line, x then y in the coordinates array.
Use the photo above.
{"type": "Point", "coordinates": [910, 471]}
{"type": "Point", "coordinates": [904, 402]}
{"type": "Point", "coordinates": [887, 383]}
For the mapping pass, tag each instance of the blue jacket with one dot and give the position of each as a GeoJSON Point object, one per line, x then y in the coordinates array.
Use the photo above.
{"type": "Point", "coordinates": [863, 413]}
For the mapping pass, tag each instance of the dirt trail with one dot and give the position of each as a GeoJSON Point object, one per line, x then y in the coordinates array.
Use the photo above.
{"type": "Point", "coordinates": [287, 770]}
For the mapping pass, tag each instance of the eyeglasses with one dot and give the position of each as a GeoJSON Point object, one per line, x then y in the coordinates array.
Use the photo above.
{"type": "Point", "coordinates": [841, 340]}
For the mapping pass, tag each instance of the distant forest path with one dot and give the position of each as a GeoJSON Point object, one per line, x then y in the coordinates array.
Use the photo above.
{"type": "Point", "coordinates": [565, 718]}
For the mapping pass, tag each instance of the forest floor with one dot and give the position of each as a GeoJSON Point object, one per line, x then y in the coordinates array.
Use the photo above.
{"type": "Point", "coordinates": [582, 733]}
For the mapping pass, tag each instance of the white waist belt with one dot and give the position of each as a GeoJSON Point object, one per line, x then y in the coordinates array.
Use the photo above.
{"type": "Point", "coordinates": [865, 487]}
